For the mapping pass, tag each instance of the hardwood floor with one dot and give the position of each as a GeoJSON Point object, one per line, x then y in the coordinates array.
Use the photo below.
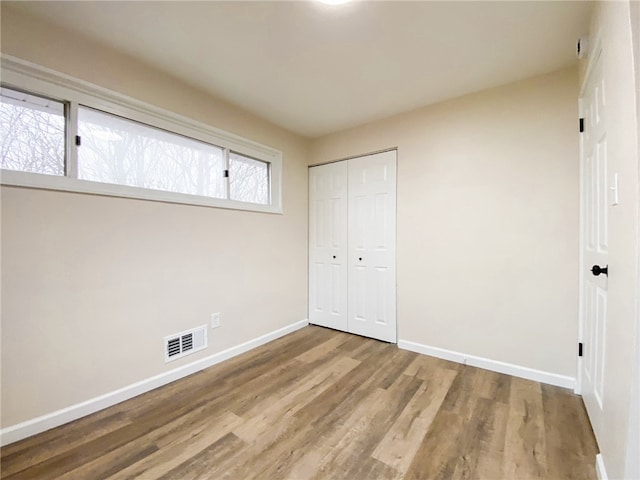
{"type": "Point", "coordinates": [320, 404]}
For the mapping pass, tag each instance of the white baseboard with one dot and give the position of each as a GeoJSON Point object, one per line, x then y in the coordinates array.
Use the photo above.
{"type": "Point", "coordinates": [51, 420]}
{"type": "Point", "coordinates": [488, 364]}
{"type": "Point", "coordinates": [600, 470]}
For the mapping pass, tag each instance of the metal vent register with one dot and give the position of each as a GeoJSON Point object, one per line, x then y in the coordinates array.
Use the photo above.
{"type": "Point", "coordinates": [185, 343]}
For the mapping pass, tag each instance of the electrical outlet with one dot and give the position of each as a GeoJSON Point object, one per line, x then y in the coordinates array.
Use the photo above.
{"type": "Point", "coordinates": [215, 320]}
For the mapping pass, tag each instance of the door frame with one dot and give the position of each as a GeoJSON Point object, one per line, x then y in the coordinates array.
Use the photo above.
{"type": "Point", "coordinates": [375, 152]}
{"type": "Point", "coordinates": [593, 56]}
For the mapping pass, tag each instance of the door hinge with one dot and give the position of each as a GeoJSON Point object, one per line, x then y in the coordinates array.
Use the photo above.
{"type": "Point", "coordinates": [580, 349]}
{"type": "Point", "coordinates": [581, 125]}
{"type": "Point", "coordinates": [226, 174]}
{"type": "Point", "coordinates": [78, 140]}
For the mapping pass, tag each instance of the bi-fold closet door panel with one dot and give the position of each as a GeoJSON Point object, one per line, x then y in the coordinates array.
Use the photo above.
{"type": "Point", "coordinates": [328, 245]}
{"type": "Point", "coordinates": [372, 246]}
{"type": "Point", "coordinates": [367, 269]}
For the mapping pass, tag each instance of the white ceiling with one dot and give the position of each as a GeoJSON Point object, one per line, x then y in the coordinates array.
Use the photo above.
{"type": "Point", "coordinates": [315, 69]}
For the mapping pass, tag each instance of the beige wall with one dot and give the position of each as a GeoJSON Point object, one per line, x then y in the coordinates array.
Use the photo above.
{"type": "Point", "coordinates": [488, 213]}
{"type": "Point", "coordinates": [91, 285]}
{"type": "Point", "coordinates": [633, 443]}
{"type": "Point", "coordinates": [612, 24]}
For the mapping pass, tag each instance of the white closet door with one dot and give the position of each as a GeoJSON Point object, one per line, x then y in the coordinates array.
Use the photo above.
{"type": "Point", "coordinates": [328, 245]}
{"type": "Point", "coordinates": [372, 246]}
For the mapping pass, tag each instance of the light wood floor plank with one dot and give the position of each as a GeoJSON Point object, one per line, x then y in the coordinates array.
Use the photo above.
{"type": "Point", "coordinates": [403, 439]}
{"type": "Point", "coordinates": [487, 456]}
{"type": "Point", "coordinates": [200, 466]}
{"type": "Point", "coordinates": [364, 436]}
{"type": "Point", "coordinates": [181, 450]}
{"type": "Point", "coordinates": [525, 445]}
{"type": "Point", "coordinates": [289, 400]}
{"type": "Point", "coordinates": [568, 434]}
{"type": "Point", "coordinates": [495, 386]}
{"type": "Point", "coordinates": [328, 410]}
{"type": "Point", "coordinates": [422, 365]}
{"type": "Point", "coordinates": [476, 447]}
{"type": "Point", "coordinates": [60, 440]}
{"type": "Point", "coordinates": [320, 404]}
{"type": "Point", "coordinates": [314, 461]}
{"type": "Point", "coordinates": [438, 454]}
{"type": "Point", "coordinates": [325, 349]}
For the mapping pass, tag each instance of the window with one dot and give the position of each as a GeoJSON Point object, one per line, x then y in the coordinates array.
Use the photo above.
{"type": "Point", "coordinates": [249, 179]}
{"type": "Point", "coordinates": [64, 134]}
{"type": "Point", "coordinates": [33, 132]}
{"type": "Point", "coordinates": [116, 150]}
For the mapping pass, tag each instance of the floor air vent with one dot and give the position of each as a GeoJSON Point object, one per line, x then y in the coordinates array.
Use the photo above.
{"type": "Point", "coordinates": [185, 343]}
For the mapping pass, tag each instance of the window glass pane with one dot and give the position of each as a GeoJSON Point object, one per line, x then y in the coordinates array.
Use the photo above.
{"type": "Point", "coordinates": [248, 179]}
{"type": "Point", "coordinates": [32, 130]}
{"type": "Point", "coordinates": [121, 151]}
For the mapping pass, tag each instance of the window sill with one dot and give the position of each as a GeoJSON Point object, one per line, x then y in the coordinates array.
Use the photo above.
{"type": "Point", "coordinates": [73, 185]}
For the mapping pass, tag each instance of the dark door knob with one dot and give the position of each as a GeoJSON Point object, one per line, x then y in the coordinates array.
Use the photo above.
{"type": "Point", "coordinates": [597, 270]}
{"type": "Point", "coordinates": [334, 256]}
{"type": "Point", "coordinates": [360, 258]}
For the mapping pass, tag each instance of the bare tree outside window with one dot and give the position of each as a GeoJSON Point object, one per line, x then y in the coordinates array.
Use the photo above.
{"type": "Point", "coordinates": [248, 179]}
{"type": "Point", "coordinates": [33, 133]}
{"type": "Point", "coordinates": [120, 151]}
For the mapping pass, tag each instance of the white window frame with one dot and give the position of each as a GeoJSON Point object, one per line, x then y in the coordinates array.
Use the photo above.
{"type": "Point", "coordinates": [26, 76]}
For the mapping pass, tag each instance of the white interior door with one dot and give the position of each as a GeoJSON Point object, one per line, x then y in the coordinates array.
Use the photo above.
{"type": "Point", "coordinates": [328, 245]}
{"type": "Point", "coordinates": [372, 246]}
{"type": "Point", "coordinates": [595, 201]}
